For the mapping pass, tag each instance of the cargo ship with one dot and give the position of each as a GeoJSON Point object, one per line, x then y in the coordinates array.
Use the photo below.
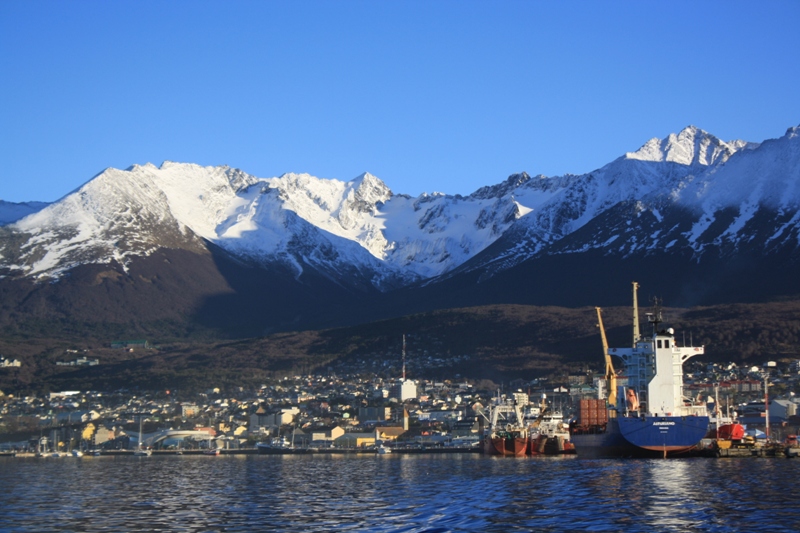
{"type": "Point", "coordinates": [649, 417]}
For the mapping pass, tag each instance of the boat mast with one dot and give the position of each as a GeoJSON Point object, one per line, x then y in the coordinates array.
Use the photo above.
{"type": "Point", "coordinates": [635, 314]}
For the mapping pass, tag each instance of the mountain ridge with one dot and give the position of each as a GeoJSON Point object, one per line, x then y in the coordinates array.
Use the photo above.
{"type": "Point", "coordinates": [206, 257]}
{"type": "Point", "coordinates": [689, 210]}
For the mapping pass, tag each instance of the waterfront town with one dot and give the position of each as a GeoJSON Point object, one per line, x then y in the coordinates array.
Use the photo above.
{"type": "Point", "coordinates": [356, 410]}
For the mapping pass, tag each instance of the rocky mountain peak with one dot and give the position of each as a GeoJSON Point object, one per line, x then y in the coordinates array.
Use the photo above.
{"type": "Point", "coordinates": [691, 147]}
{"type": "Point", "coordinates": [359, 228]}
{"type": "Point", "coordinates": [504, 188]}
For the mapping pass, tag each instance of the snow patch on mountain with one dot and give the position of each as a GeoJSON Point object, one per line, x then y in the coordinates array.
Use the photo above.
{"type": "Point", "coordinates": [691, 147]}
{"type": "Point", "coordinates": [688, 191]}
{"type": "Point", "coordinates": [295, 219]}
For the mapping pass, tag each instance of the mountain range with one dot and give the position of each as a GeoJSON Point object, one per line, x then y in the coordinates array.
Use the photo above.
{"type": "Point", "coordinates": [183, 250]}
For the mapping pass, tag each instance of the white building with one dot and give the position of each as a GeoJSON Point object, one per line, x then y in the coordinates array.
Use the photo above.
{"type": "Point", "coordinates": [405, 389]}
{"type": "Point", "coordinates": [261, 419]}
{"type": "Point", "coordinates": [521, 398]}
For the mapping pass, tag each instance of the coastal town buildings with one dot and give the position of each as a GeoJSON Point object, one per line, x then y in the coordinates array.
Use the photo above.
{"type": "Point", "coordinates": [351, 410]}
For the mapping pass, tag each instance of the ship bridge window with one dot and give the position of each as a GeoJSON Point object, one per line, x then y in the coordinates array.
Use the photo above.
{"type": "Point", "coordinates": [666, 343]}
{"type": "Point", "coordinates": [658, 343]}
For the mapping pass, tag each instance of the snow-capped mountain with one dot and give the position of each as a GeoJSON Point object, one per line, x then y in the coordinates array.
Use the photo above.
{"type": "Point", "coordinates": [690, 194]}
{"type": "Point", "coordinates": [685, 205]}
{"type": "Point", "coordinates": [350, 230]}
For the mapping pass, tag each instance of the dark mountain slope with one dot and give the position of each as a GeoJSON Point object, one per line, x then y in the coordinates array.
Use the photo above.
{"type": "Point", "coordinates": [501, 343]}
{"type": "Point", "coordinates": [174, 294]}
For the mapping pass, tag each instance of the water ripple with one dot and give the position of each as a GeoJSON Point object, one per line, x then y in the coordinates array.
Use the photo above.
{"type": "Point", "coordinates": [410, 494]}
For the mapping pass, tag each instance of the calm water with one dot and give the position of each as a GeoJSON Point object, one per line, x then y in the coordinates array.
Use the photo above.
{"type": "Point", "coordinates": [397, 493]}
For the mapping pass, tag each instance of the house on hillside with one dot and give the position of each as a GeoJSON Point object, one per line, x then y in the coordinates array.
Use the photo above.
{"type": "Point", "coordinates": [374, 414]}
{"type": "Point", "coordinates": [80, 361]}
{"type": "Point", "coordinates": [466, 428]}
{"type": "Point", "coordinates": [5, 363]}
{"type": "Point", "coordinates": [388, 433]}
{"type": "Point", "coordinates": [326, 433]}
{"type": "Point", "coordinates": [272, 420]}
{"type": "Point", "coordinates": [188, 410]}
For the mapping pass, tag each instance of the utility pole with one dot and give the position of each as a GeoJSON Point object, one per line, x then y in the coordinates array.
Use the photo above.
{"type": "Point", "coordinates": [404, 357]}
{"type": "Point", "coordinates": [766, 405]}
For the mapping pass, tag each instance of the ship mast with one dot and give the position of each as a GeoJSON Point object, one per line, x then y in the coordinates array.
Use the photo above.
{"type": "Point", "coordinates": [655, 317]}
{"type": "Point", "coordinates": [635, 314]}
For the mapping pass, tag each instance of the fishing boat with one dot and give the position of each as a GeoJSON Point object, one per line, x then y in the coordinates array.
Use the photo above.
{"type": "Point", "coordinates": [549, 435]}
{"type": "Point", "coordinates": [506, 434]}
{"type": "Point", "coordinates": [281, 446]}
{"type": "Point", "coordinates": [211, 447]}
{"type": "Point", "coordinates": [650, 416]}
{"type": "Point", "coordinates": [724, 430]}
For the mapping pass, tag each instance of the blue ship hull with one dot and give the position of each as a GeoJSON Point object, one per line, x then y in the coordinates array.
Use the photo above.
{"type": "Point", "coordinates": [651, 436]}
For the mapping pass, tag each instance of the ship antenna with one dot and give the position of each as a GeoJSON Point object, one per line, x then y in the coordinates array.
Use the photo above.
{"type": "Point", "coordinates": [635, 314]}
{"type": "Point", "coordinates": [655, 317]}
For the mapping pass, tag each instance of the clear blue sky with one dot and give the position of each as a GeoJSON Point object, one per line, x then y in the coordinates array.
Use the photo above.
{"type": "Point", "coordinates": [427, 95]}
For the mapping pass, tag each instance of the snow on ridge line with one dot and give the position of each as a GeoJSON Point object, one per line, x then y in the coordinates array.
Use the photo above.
{"type": "Point", "coordinates": [207, 202]}
{"type": "Point", "coordinates": [688, 147]}
{"type": "Point", "coordinates": [429, 235]}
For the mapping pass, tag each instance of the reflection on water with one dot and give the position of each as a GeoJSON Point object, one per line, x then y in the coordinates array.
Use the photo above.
{"type": "Point", "coordinates": [396, 493]}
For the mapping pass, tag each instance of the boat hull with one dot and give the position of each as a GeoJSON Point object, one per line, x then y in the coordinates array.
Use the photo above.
{"type": "Point", "coordinates": [648, 436]}
{"type": "Point", "coordinates": [731, 431]}
{"type": "Point", "coordinates": [510, 446]}
{"type": "Point", "coordinates": [266, 449]}
{"type": "Point", "coordinates": [550, 445]}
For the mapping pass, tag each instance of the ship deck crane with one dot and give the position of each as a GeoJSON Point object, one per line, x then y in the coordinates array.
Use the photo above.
{"type": "Point", "coordinates": [611, 375]}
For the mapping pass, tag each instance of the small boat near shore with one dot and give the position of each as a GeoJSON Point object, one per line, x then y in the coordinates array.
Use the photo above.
{"type": "Point", "coordinates": [791, 447]}
{"type": "Point", "coordinates": [140, 450]}
{"type": "Point", "coordinates": [280, 446]}
{"type": "Point", "coordinates": [383, 450]}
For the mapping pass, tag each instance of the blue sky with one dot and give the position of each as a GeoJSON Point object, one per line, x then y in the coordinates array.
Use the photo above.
{"type": "Point", "coordinates": [429, 96]}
